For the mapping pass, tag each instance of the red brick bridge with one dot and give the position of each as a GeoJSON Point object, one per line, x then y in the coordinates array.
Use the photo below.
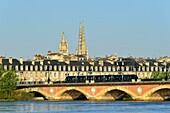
{"type": "Point", "coordinates": [159, 90]}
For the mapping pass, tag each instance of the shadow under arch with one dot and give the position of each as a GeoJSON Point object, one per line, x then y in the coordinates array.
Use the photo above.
{"type": "Point", "coordinates": [159, 93]}
{"type": "Point", "coordinates": [72, 94]}
{"type": "Point", "coordinates": [116, 93]}
{"type": "Point", "coordinates": [37, 92]}
{"type": "Point", "coordinates": [38, 95]}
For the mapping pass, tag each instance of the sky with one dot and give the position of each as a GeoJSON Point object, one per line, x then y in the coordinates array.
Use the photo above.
{"type": "Point", "coordinates": [138, 28]}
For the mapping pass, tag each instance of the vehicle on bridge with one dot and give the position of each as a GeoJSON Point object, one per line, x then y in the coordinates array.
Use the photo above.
{"type": "Point", "coordinates": [100, 78]}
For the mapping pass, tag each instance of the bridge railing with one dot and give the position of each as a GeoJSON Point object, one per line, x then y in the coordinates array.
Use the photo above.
{"type": "Point", "coordinates": [31, 82]}
{"type": "Point", "coordinates": [39, 83]}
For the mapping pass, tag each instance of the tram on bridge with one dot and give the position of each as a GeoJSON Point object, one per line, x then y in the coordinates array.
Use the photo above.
{"type": "Point", "coordinates": [101, 78]}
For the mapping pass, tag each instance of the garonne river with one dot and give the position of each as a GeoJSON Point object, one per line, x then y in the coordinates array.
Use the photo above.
{"type": "Point", "coordinates": [84, 107]}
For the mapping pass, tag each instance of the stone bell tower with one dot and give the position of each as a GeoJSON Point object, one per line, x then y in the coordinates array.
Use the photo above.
{"type": "Point", "coordinates": [63, 46]}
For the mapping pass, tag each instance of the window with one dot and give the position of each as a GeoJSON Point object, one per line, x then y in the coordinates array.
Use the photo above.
{"type": "Point", "coordinates": [82, 68]}
{"type": "Point", "coordinates": [73, 68]}
{"type": "Point", "coordinates": [26, 68]}
{"type": "Point", "coordinates": [100, 68]}
{"type": "Point", "coordinates": [5, 67]}
{"type": "Point", "coordinates": [54, 74]}
{"type": "Point", "coordinates": [55, 68]}
{"type": "Point", "coordinates": [68, 68]}
{"type": "Point", "coordinates": [113, 68]}
{"type": "Point", "coordinates": [40, 74]}
{"type": "Point", "coordinates": [64, 68]}
{"type": "Point", "coordinates": [21, 74]}
{"type": "Point", "coordinates": [31, 68]}
{"type": "Point", "coordinates": [51, 68]}
{"type": "Point", "coordinates": [21, 68]}
{"type": "Point", "coordinates": [105, 69]}
{"type": "Point", "coordinates": [36, 74]}
{"type": "Point", "coordinates": [45, 68]}
{"type": "Point", "coordinates": [45, 74]}
{"type": "Point", "coordinates": [41, 68]}
{"type": "Point", "coordinates": [109, 68]}
{"type": "Point", "coordinates": [36, 68]}
{"type": "Point", "coordinates": [87, 68]}
{"type": "Point", "coordinates": [16, 68]}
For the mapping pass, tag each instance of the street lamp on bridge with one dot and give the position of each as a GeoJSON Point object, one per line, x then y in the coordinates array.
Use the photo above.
{"type": "Point", "coordinates": [166, 75]}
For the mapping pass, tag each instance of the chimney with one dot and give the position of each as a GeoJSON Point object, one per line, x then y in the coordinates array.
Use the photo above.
{"type": "Point", "coordinates": [10, 60]}
{"type": "Point", "coordinates": [21, 60]}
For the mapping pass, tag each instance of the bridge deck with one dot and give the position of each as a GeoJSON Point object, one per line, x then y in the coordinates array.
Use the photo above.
{"type": "Point", "coordinates": [92, 84]}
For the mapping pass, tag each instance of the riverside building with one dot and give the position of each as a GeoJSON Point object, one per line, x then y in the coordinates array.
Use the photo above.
{"type": "Point", "coordinates": [57, 66]}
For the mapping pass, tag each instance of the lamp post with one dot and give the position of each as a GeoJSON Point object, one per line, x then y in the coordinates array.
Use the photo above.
{"type": "Point", "coordinates": [166, 75]}
{"type": "Point", "coordinates": [47, 74]}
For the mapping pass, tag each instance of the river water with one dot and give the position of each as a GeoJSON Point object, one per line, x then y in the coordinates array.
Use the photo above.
{"type": "Point", "coordinates": [84, 107]}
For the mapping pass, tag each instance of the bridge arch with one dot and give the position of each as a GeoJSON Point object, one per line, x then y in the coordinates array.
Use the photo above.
{"type": "Point", "coordinates": [158, 93]}
{"type": "Point", "coordinates": [38, 91]}
{"type": "Point", "coordinates": [115, 93]}
{"type": "Point", "coordinates": [72, 93]}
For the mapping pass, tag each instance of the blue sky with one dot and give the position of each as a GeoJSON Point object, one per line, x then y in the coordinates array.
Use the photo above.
{"type": "Point", "coordinates": [140, 28]}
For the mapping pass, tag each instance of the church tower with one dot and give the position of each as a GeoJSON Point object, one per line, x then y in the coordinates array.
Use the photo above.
{"type": "Point", "coordinates": [82, 49]}
{"type": "Point", "coordinates": [63, 46]}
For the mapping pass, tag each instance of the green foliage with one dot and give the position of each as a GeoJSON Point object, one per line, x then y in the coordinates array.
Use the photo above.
{"type": "Point", "coordinates": [22, 95]}
{"type": "Point", "coordinates": [8, 80]}
{"type": "Point", "coordinates": [159, 75]}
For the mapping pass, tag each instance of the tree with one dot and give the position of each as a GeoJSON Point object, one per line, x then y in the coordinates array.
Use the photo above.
{"type": "Point", "coordinates": [159, 75]}
{"type": "Point", "coordinates": [8, 80]}
{"type": "Point", "coordinates": [8, 87]}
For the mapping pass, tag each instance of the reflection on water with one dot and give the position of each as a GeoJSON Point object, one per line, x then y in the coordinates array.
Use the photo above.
{"type": "Point", "coordinates": [84, 107]}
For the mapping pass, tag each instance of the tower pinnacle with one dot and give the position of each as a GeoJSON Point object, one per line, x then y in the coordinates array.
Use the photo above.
{"type": "Point", "coordinates": [63, 46]}
{"type": "Point", "coordinates": [82, 49]}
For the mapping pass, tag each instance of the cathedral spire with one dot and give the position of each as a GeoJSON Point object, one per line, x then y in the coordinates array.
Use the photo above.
{"type": "Point", "coordinates": [63, 37]}
{"type": "Point", "coordinates": [82, 49]}
{"type": "Point", "coordinates": [63, 46]}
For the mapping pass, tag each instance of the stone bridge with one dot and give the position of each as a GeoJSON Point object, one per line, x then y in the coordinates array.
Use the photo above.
{"type": "Point", "coordinates": [148, 91]}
